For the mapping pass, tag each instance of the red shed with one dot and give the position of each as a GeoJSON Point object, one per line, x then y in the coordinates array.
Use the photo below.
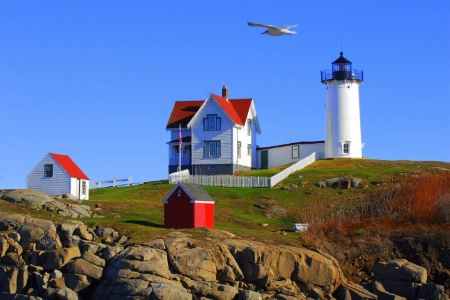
{"type": "Point", "coordinates": [188, 206]}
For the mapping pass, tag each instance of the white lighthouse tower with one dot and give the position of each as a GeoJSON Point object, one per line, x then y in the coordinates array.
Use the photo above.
{"type": "Point", "coordinates": [343, 125]}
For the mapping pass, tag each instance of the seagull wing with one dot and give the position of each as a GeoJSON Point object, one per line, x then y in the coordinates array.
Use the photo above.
{"type": "Point", "coordinates": [288, 26]}
{"type": "Point", "coordinates": [262, 25]}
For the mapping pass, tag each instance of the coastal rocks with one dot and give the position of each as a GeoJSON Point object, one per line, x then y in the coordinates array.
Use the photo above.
{"type": "Point", "coordinates": [265, 264]}
{"type": "Point", "coordinates": [96, 263]}
{"type": "Point", "coordinates": [340, 183]}
{"type": "Point", "coordinates": [404, 279]}
{"type": "Point", "coordinates": [39, 200]}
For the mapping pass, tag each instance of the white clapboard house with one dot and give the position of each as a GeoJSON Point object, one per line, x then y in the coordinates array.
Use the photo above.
{"type": "Point", "coordinates": [57, 174]}
{"type": "Point", "coordinates": [218, 135]}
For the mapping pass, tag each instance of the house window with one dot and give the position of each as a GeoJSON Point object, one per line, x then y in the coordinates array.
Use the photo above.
{"type": "Point", "coordinates": [346, 148]}
{"type": "Point", "coordinates": [295, 151]}
{"type": "Point", "coordinates": [83, 187]}
{"type": "Point", "coordinates": [187, 148]}
{"type": "Point", "coordinates": [211, 149]}
{"type": "Point", "coordinates": [48, 170]}
{"type": "Point", "coordinates": [249, 149]}
{"type": "Point", "coordinates": [211, 123]}
{"type": "Point", "coordinates": [249, 126]}
{"type": "Point", "coordinates": [239, 149]}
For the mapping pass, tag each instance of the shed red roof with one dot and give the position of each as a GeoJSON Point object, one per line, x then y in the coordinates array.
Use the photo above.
{"type": "Point", "coordinates": [69, 166]}
{"type": "Point", "coordinates": [184, 111]}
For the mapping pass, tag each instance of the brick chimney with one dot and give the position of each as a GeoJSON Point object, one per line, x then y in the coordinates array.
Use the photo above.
{"type": "Point", "coordinates": [225, 92]}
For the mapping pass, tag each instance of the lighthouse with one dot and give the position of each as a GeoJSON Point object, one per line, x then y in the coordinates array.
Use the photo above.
{"type": "Point", "coordinates": [343, 124]}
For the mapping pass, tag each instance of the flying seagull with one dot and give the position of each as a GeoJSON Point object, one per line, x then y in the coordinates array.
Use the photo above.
{"type": "Point", "coordinates": [273, 30]}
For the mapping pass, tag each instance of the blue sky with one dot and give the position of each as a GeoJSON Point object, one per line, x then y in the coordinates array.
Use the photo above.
{"type": "Point", "coordinates": [97, 80]}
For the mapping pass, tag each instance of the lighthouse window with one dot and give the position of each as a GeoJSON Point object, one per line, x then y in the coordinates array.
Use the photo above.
{"type": "Point", "coordinates": [346, 148]}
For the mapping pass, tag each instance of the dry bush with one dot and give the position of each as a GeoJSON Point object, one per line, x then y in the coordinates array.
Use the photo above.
{"type": "Point", "coordinates": [443, 208]}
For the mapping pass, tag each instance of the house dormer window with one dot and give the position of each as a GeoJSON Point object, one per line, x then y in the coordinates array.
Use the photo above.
{"type": "Point", "coordinates": [48, 170]}
{"type": "Point", "coordinates": [212, 123]}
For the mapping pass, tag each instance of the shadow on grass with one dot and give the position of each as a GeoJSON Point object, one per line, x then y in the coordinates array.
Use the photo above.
{"type": "Point", "coordinates": [144, 223]}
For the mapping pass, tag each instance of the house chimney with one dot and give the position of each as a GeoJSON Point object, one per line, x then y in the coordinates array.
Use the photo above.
{"type": "Point", "coordinates": [225, 92]}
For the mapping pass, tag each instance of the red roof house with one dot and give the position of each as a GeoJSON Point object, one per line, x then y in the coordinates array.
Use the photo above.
{"type": "Point", "coordinates": [57, 174]}
{"type": "Point", "coordinates": [188, 206]}
{"type": "Point", "coordinates": [218, 135]}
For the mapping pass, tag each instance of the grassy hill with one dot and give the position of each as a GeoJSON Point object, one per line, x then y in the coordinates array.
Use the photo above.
{"type": "Point", "coordinates": [138, 210]}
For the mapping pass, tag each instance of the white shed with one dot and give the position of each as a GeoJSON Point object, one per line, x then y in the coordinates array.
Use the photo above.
{"type": "Point", "coordinates": [57, 174]}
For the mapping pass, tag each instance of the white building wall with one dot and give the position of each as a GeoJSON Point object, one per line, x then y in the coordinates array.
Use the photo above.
{"type": "Point", "coordinates": [224, 136]}
{"type": "Point", "coordinates": [76, 188]}
{"type": "Point", "coordinates": [283, 154]}
{"type": "Point", "coordinates": [343, 119]}
{"type": "Point", "coordinates": [60, 183]}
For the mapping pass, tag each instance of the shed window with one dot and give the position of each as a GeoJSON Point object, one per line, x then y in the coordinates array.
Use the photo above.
{"type": "Point", "coordinates": [48, 170]}
{"type": "Point", "coordinates": [83, 187]}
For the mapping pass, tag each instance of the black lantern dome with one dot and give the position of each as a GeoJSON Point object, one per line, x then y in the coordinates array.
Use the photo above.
{"type": "Point", "coordinates": [342, 70]}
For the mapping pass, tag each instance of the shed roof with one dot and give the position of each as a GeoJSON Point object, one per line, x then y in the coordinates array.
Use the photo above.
{"type": "Point", "coordinates": [195, 192]}
{"type": "Point", "coordinates": [69, 166]}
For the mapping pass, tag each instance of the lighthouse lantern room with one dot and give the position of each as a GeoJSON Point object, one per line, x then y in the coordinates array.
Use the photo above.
{"type": "Point", "coordinates": [343, 125]}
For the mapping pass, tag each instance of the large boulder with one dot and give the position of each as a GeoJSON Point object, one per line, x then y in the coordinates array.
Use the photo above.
{"type": "Point", "coordinates": [259, 260]}
{"type": "Point", "coordinates": [33, 198]}
{"type": "Point", "coordinates": [201, 260]}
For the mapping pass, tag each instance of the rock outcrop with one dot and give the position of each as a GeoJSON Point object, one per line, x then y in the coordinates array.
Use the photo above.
{"type": "Point", "coordinates": [39, 200]}
{"type": "Point", "coordinates": [70, 260]}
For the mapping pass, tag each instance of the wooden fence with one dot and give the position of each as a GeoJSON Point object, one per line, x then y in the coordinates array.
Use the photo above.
{"type": "Point", "coordinates": [242, 181]}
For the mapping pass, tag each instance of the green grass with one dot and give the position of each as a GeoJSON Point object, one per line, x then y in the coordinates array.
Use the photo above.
{"type": "Point", "coordinates": [138, 211]}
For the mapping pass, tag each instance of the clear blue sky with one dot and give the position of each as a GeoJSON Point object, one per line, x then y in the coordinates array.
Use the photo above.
{"type": "Point", "coordinates": [97, 80]}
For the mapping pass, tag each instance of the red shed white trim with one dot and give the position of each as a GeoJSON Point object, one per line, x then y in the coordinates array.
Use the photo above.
{"type": "Point", "coordinates": [188, 206]}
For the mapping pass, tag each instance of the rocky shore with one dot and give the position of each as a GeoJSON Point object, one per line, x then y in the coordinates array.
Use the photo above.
{"type": "Point", "coordinates": [71, 260]}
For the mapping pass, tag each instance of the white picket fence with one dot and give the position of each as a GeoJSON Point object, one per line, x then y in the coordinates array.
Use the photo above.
{"type": "Point", "coordinates": [241, 181]}
{"type": "Point", "coordinates": [275, 179]}
{"type": "Point", "coordinates": [229, 181]}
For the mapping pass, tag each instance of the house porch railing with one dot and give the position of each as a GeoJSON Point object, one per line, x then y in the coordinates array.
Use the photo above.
{"type": "Point", "coordinates": [242, 181]}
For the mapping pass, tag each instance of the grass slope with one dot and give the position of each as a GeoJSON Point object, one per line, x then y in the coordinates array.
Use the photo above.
{"type": "Point", "coordinates": [138, 210]}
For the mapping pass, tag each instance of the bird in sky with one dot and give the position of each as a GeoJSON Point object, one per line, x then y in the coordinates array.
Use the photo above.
{"type": "Point", "coordinates": [274, 30]}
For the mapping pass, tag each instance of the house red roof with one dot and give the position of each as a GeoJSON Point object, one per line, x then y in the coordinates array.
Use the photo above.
{"type": "Point", "coordinates": [69, 166]}
{"type": "Point", "coordinates": [184, 111]}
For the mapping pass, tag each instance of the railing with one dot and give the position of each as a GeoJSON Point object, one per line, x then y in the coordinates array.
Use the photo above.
{"type": "Point", "coordinates": [357, 75]}
{"type": "Point", "coordinates": [114, 182]}
{"type": "Point", "coordinates": [274, 180]}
